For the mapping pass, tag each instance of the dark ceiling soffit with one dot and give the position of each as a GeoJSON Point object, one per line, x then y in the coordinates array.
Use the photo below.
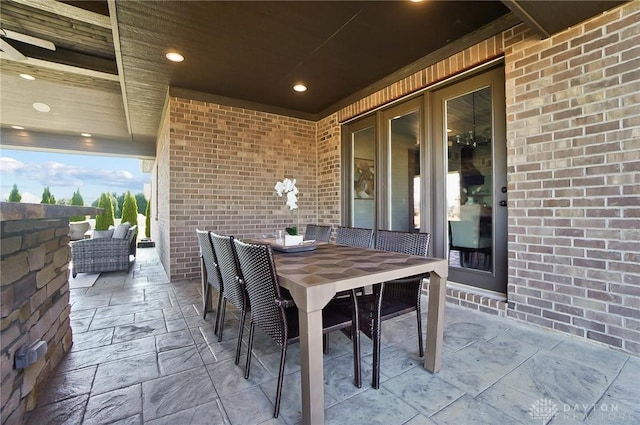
{"type": "Point", "coordinates": [501, 24]}
{"type": "Point", "coordinates": [519, 10]}
{"type": "Point", "coordinates": [238, 103]}
{"type": "Point", "coordinates": [547, 18]}
{"type": "Point", "coordinates": [68, 57]}
{"type": "Point", "coordinates": [76, 144]}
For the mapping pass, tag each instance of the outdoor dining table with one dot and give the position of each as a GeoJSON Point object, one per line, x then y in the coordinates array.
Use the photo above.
{"type": "Point", "coordinates": [314, 277]}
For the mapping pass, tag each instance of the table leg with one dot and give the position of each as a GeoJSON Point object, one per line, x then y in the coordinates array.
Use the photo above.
{"type": "Point", "coordinates": [312, 368]}
{"type": "Point", "coordinates": [435, 322]}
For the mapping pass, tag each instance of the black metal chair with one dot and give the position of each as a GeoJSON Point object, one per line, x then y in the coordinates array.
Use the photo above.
{"type": "Point", "coordinates": [210, 275]}
{"type": "Point", "coordinates": [273, 310]}
{"type": "Point", "coordinates": [393, 298]}
{"type": "Point", "coordinates": [351, 236]}
{"type": "Point", "coordinates": [234, 290]}
{"type": "Point", "coordinates": [354, 236]}
{"type": "Point", "coordinates": [317, 232]}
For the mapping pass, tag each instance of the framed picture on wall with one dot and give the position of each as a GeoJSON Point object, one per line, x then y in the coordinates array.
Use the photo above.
{"type": "Point", "coordinates": [363, 178]}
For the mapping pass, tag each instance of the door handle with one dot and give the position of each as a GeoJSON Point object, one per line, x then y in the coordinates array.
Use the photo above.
{"type": "Point", "coordinates": [503, 203]}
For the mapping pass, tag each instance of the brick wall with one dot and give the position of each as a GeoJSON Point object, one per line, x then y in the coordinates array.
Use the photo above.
{"type": "Point", "coordinates": [573, 122]}
{"type": "Point", "coordinates": [34, 306]}
{"type": "Point", "coordinates": [329, 190]}
{"type": "Point", "coordinates": [573, 125]}
{"type": "Point", "coordinates": [223, 165]}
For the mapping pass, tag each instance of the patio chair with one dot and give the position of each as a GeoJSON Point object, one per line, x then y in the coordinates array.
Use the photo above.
{"type": "Point", "coordinates": [234, 290]}
{"type": "Point", "coordinates": [273, 310]}
{"type": "Point", "coordinates": [471, 235]}
{"type": "Point", "coordinates": [354, 236]}
{"type": "Point", "coordinates": [210, 273]}
{"type": "Point", "coordinates": [107, 251]}
{"type": "Point", "coordinates": [393, 298]}
{"type": "Point", "coordinates": [317, 232]}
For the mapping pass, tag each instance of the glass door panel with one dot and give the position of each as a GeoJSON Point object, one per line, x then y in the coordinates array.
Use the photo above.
{"type": "Point", "coordinates": [470, 186]}
{"type": "Point", "coordinates": [402, 155]}
{"type": "Point", "coordinates": [469, 179]}
{"type": "Point", "coordinates": [363, 177]}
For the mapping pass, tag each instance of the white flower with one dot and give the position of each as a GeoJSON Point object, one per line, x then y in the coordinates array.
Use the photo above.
{"type": "Point", "coordinates": [289, 187]}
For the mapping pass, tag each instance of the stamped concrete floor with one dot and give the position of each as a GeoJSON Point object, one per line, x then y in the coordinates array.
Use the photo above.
{"type": "Point", "coordinates": [142, 354]}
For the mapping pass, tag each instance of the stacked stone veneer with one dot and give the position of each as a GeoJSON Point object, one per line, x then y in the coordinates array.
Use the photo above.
{"type": "Point", "coordinates": [573, 127]}
{"type": "Point", "coordinates": [35, 306]}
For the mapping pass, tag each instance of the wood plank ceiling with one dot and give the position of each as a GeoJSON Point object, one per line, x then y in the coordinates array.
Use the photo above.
{"type": "Point", "coordinates": [108, 75]}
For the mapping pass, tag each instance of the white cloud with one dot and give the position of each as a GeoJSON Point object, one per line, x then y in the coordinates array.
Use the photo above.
{"type": "Point", "coordinates": [53, 173]}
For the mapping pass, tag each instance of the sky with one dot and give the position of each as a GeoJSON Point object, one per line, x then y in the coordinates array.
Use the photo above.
{"type": "Point", "coordinates": [32, 171]}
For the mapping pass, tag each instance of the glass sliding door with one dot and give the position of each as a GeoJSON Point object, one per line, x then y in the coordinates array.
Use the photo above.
{"type": "Point", "coordinates": [437, 164]}
{"type": "Point", "coordinates": [469, 134]}
{"type": "Point", "coordinates": [361, 181]}
{"type": "Point", "coordinates": [403, 155]}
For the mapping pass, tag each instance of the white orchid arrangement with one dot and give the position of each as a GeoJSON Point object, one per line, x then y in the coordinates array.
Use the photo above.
{"type": "Point", "coordinates": [289, 188]}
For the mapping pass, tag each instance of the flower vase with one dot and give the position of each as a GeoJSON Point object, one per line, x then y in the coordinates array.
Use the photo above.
{"type": "Point", "coordinates": [291, 240]}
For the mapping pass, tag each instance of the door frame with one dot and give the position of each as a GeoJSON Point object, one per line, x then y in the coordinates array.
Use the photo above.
{"type": "Point", "coordinates": [496, 280]}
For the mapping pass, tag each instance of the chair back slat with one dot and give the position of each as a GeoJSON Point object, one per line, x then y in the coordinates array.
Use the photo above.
{"type": "Point", "coordinates": [209, 259]}
{"type": "Point", "coordinates": [224, 250]}
{"type": "Point", "coordinates": [403, 242]}
{"type": "Point", "coordinates": [354, 236]}
{"type": "Point", "coordinates": [261, 283]}
{"type": "Point", "coordinates": [317, 232]}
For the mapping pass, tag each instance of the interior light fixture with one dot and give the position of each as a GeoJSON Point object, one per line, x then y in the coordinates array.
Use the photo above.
{"type": "Point", "coordinates": [174, 57]}
{"type": "Point", "coordinates": [17, 127]}
{"type": "Point", "coordinates": [300, 88]}
{"type": "Point", "coordinates": [85, 134]}
{"type": "Point", "coordinates": [41, 107]}
{"type": "Point", "coordinates": [27, 77]}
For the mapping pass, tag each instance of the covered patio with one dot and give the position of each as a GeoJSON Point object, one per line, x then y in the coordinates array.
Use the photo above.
{"type": "Point", "coordinates": [142, 354]}
{"type": "Point", "coordinates": [558, 345]}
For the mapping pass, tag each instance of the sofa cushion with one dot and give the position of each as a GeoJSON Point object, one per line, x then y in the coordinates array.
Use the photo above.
{"type": "Point", "coordinates": [121, 231]}
{"type": "Point", "coordinates": [97, 234]}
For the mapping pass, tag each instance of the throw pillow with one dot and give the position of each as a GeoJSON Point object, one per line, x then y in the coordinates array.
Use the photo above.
{"type": "Point", "coordinates": [97, 234]}
{"type": "Point", "coordinates": [121, 231]}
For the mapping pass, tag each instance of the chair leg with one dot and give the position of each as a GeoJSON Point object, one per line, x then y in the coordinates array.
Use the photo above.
{"type": "Point", "coordinates": [283, 357]}
{"type": "Point", "coordinates": [243, 315]}
{"type": "Point", "coordinates": [420, 339]}
{"type": "Point", "coordinates": [223, 306]}
{"type": "Point", "coordinates": [375, 378]}
{"type": "Point", "coordinates": [249, 350]}
{"type": "Point", "coordinates": [207, 294]}
{"type": "Point", "coordinates": [355, 339]}
{"type": "Point", "coordinates": [217, 325]}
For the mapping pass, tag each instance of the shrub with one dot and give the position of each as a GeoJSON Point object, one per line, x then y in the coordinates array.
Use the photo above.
{"type": "Point", "coordinates": [15, 196]}
{"type": "Point", "coordinates": [47, 197]}
{"type": "Point", "coordinates": [106, 219]}
{"type": "Point", "coordinates": [77, 200]}
{"type": "Point", "coordinates": [130, 209]}
{"type": "Point", "coordinates": [147, 220]}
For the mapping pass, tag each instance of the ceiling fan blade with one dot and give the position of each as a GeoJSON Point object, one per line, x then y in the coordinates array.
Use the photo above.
{"type": "Point", "coordinates": [29, 39]}
{"type": "Point", "coordinates": [11, 51]}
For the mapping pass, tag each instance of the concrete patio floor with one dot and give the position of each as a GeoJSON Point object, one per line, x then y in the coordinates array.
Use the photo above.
{"type": "Point", "coordinates": [142, 354]}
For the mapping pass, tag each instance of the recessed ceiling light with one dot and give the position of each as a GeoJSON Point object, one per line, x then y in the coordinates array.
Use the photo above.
{"type": "Point", "coordinates": [17, 127]}
{"type": "Point", "coordinates": [174, 57]}
{"type": "Point", "coordinates": [449, 130]}
{"type": "Point", "coordinates": [85, 134]}
{"type": "Point", "coordinates": [28, 77]}
{"type": "Point", "coordinates": [41, 107]}
{"type": "Point", "coordinates": [300, 88]}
